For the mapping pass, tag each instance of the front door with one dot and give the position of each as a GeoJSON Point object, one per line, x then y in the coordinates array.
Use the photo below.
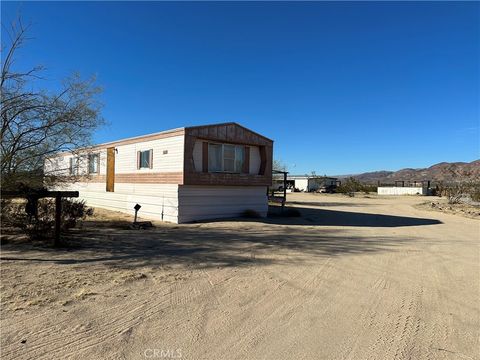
{"type": "Point", "coordinates": [110, 169]}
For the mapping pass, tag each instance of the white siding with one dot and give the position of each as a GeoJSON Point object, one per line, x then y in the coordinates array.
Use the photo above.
{"type": "Point", "coordinates": [60, 165]}
{"type": "Point", "coordinates": [158, 201]}
{"type": "Point", "coordinates": [213, 202]}
{"type": "Point", "coordinates": [155, 199]}
{"type": "Point", "coordinates": [301, 184]}
{"type": "Point", "coordinates": [126, 156]}
{"type": "Point", "coordinates": [198, 157]}
{"type": "Point", "coordinates": [57, 165]}
{"type": "Point", "coordinates": [395, 190]}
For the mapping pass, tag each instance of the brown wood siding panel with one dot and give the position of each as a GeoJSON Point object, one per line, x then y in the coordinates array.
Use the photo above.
{"type": "Point", "coordinates": [205, 156]}
{"type": "Point", "coordinates": [110, 179]}
{"type": "Point", "coordinates": [263, 160]}
{"type": "Point", "coordinates": [227, 179]}
{"type": "Point", "coordinates": [230, 133]}
{"type": "Point", "coordinates": [246, 161]}
{"type": "Point", "coordinates": [219, 127]}
{"type": "Point", "coordinates": [225, 133]}
{"type": "Point", "coordinates": [134, 178]}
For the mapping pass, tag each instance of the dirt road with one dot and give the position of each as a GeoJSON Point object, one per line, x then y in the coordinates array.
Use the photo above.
{"type": "Point", "coordinates": [352, 278]}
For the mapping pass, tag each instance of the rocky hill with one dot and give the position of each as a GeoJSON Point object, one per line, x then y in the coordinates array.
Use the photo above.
{"type": "Point", "coordinates": [439, 172]}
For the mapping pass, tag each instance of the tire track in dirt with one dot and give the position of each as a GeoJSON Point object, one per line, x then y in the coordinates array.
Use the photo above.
{"type": "Point", "coordinates": [253, 330]}
{"type": "Point", "coordinates": [106, 327]}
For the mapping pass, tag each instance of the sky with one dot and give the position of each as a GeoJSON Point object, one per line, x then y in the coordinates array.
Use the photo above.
{"type": "Point", "coordinates": [342, 88]}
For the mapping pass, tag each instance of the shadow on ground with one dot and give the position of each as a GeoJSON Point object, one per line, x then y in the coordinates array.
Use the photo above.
{"type": "Point", "coordinates": [323, 217]}
{"type": "Point", "coordinates": [228, 243]}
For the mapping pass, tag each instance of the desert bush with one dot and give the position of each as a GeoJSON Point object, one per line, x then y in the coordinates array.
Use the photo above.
{"type": "Point", "coordinates": [475, 192]}
{"type": "Point", "coordinates": [460, 191]}
{"type": "Point", "coordinates": [42, 224]}
{"type": "Point", "coordinates": [352, 185]}
{"type": "Point", "coordinates": [369, 188]}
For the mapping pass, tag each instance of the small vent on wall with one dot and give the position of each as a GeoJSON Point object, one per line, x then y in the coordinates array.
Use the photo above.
{"type": "Point", "coordinates": [165, 152]}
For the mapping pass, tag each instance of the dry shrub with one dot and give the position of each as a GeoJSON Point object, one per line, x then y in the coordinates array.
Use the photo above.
{"type": "Point", "coordinates": [351, 185]}
{"type": "Point", "coordinates": [41, 225]}
{"type": "Point", "coordinates": [461, 192]}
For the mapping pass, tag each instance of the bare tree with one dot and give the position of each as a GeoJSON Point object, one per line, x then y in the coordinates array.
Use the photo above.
{"type": "Point", "coordinates": [36, 123]}
{"type": "Point", "coordinates": [279, 165]}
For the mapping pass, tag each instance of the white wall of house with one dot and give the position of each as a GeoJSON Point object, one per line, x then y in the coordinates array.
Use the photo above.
{"type": "Point", "coordinates": [198, 202]}
{"type": "Point", "coordinates": [168, 154]}
{"type": "Point", "coordinates": [170, 161]}
{"type": "Point", "coordinates": [301, 184]}
{"type": "Point", "coordinates": [396, 190]}
{"type": "Point", "coordinates": [158, 201]}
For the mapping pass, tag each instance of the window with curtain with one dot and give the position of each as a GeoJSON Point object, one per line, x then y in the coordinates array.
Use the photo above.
{"type": "Point", "coordinates": [215, 157]}
{"type": "Point", "coordinates": [225, 158]}
{"type": "Point", "coordinates": [93, 162]}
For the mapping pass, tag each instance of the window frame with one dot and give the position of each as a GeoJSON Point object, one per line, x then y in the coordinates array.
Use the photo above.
{"type": "Point", "coordinates": [149, 159]}
{"type": "Point", "coordinates": [95, 156]}
{"type": "Point", "coordinates": [235, 153]}
{"type": "Point", "coordinates": [73, 168]}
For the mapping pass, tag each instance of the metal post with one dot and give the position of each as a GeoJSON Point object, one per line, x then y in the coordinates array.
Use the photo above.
{"type": "Point", "coordinates": [136, 208]}
{"type": "Point", "coordinates": [284, 189]}
{"type": "Point", "coordinates": [58, 219]}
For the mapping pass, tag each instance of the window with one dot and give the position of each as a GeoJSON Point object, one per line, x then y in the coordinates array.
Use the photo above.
{"type": "Point", "coordinates": [215, 158]}
{"type": "Point", "coordinates": [225, 158]}
{"type": "Point", "coordinates": [144, 159]}
{"type": "Point", "coordinates": [93, 163]}
{"type": "Point", "coordinates": [74, 166]}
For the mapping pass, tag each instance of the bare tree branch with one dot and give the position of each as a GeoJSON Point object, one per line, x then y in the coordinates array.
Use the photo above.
{"type": "Point", "coordinates": [37, 124]}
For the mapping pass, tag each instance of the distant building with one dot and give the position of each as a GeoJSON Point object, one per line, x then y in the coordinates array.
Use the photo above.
{"type": "Point", "coordinates": [404, 188]}
{"type": "Point", "coordinates": [307, 183]}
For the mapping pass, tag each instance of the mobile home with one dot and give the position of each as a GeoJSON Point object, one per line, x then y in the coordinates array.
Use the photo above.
{"type": "Point", "coordinates": [180, 175]}
{"type": "Point", "coordinates": [311, 183]}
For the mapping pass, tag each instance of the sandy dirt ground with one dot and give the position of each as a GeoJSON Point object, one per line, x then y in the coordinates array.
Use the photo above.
{"type": "Point", "coordinates": [352, 278]}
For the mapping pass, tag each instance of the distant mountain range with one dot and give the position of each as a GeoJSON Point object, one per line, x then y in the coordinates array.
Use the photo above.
{"type": "Point", "coordinates": [443, 171]}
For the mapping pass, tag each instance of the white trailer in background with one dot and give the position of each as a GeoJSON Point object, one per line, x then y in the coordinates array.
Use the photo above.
{"type": "Point", "coordinates": [397, 190]}
{"type": "Point", "coordinates": [404, 188]}
{"type": "Point", "coordinates": [311, 183]}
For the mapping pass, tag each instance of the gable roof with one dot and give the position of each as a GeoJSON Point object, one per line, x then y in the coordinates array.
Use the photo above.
{"type": "Point", "coordinates": [228, 124]}
{"type": "Point", "coordinates": [175, 132]}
